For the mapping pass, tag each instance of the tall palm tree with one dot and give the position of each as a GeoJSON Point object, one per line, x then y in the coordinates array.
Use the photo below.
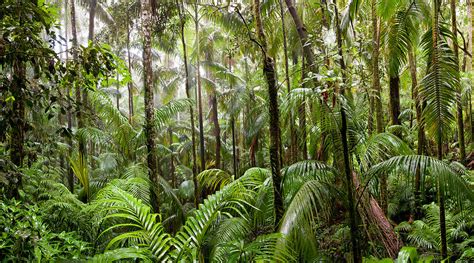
{"type": "Point", "coordinates": [439, 91]}
{"type": "Point", "coordinates": [460, 119]}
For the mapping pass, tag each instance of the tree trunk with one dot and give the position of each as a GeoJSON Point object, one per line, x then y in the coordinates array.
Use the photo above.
{"type": "Point", "coordinates": [70, 174]}
{"type": "Point", "coordinates": [93, 6]}
{"type": "Point", "coordinates": [17, 153]}
{"type": "Point", "coordinates": [293, 135]}
{"type": "Point", "coordinates": [460, 119]}
{"type": "Point", "coordinates": [202, 152]}
{"type": "Point", "coordinates": [180, 6]}
{"type": "Point", "coordinates": [129, 64]}
{"type": "Point", "coordinates": [376, 221]}
{"type": "Point", "coordinates": [395, 100]}
{"type": "Point", "coordinates": [234, 152]}
{"type": "Point", "coordinates": [303, 36]}
{"type": "Point", "coordinates": [150, 131]}
{"type": "Point", "coordinates": [470, 5]}
{"type": "Point", "coordinates": [214, 114]}
{"type": "Point", "coordinates": [302, 115]}
{"type": "Point", "coordinates": [356, 253]}
{"type": "Point", "coordinates": [269, 71]}
{"type": "Point", "coordinates": [375, 68]}
{"type": "Point", "coordinates": [172, 169]}
{"type": "Point", "coordinates": [439, 140]}
{"type": "Point", "coordinates": [421, 131]}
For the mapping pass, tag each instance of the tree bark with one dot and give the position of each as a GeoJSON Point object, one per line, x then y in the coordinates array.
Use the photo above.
{"type": "Point", "coordinates": [129, 64]}
{"type": "Point", "coordinates": [180, 5]}
{"type": "Point", "coordinates": [92, 9]}
{"type": "Point", "coordinates": [294, 138]}
{"type": "Point", "coordinates": [356, 253]}
{"type": "Point", "coordinates": [202, 151]}
{"type": "Point", "coordinates": [395, 100]}
{"type": "Point", "coordinates": [375, 68]}
{"type": "Point", "coordinates": [374, 217]}
{"type": "Point", "coordinates": [303, 36]}
{"type": "Point", "coordinates": [302, 115]}
{"type": "Point", "coordinates": [439, 140]}
{"type": "Point", "coordinates": [150, 130]}
{"type": "Point", "coordinates": [460, 119]}
{"type": "Point", "coordinates": [214, 114]}
{"type": "Point", "coordinates": [269, 72]}
{"type": "Point", "coordinates": [420, 130]}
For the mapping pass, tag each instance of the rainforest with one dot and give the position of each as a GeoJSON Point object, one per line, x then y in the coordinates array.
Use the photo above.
{"type": "Point", "coordinates": [236, 131]}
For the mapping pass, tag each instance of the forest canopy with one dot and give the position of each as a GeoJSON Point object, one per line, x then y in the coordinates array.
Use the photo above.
{"type": "Point", "coordinates": [236, 131]}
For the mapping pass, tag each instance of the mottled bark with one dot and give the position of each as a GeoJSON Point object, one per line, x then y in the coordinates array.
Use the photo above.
{"type": "Point", "coordinates": [150, 130]}
{"type": "Point", "coordinates": [356, 253]}
{"type": "Point", "coordinates": [269, 72]}
{"type": "Point", "coordinates": [129, 64]}
{"type": "Point", "coordinates": [377, 97]}
{"type": "Point", "coordinates": [202, 151]}
{"type": "Point", "coordinates": [293, 135]}
{"type": "Point", "coordinates": [460, 119]}
{"type": "Point", "coordinates": [375, 220]}
{"type": "Point", "coordinates": [180, 6]}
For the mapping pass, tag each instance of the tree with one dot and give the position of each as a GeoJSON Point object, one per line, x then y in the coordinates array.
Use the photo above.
{"type": "Point", "coordinates": [269, 72]}
{"type": "Point", "coordinates": [150, 130]}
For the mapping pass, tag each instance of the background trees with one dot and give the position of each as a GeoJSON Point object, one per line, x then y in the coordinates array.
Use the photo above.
{"type": "Point", "coordinates": [306, 147]}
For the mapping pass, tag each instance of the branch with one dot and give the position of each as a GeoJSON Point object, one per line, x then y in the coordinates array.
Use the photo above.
{"type": "Point", "coordinates": [249, 33]}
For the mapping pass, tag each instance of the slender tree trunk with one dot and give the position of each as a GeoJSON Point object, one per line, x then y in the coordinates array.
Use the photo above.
{"type": "Point", "coordinates": [92, 9]}
{"type": "Point", "coordinates": [420, 130]}
{"type": "Point", "coordinates": [234, 152]}
{"type": "Point", "coordinates": [375, 68]}
{"type": "Point", "coordinates": [150, 131]}
{"type": "Point", "coordinates": [356, 253]}
{"type": "Point", "coordinates": [470, 5]}
{"type": "Point", "coordinates": [17, 153]}
{"type": "Point", "coordinates": [214, 114]}
{"type": "Point", "coordinates": [269, 71]}
{"type": "Point", "coordinates": [395, 99]}
{"type": "Point", "coordinates": [302, 115]}
{"type": "Point", "coordinates": [293, 134]}
{"type": "Point", "coordinates": [202, 152]}
{"type": "Point", "coordinates": [439, 137]}
{"type": "Point", "coordinates": [377, 98]}
{"type": "Point", "coordinates": [303, 36]}
{"type": "Point", "coordinates": [70, 174]}
{"type": "Point", "coordinates": [79, 98]}
{"type": "Point", "coordinates": [129, 64]}
{"type": "Point", "coordinates": [117, 97]}
{"type": "Point", "coordinates": [180, 5]}
{"type": "Point", "coordinates": [460, 119]}
{"type": "Point", "coordinates": [172, 169]}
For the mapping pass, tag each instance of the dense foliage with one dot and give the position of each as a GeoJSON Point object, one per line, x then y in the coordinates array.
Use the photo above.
{"type": "Point", "coordinates": [238, 131]}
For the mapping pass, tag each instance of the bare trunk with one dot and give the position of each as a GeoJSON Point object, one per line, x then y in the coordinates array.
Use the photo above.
{"type": "Point", "coordinates": [302, 115]}
{"type": "Point", "coordinates": [293, 134]}
{"type": "Point", "coordinates": [356, 253]}
{"type": "Point", "coordinates": [439, 140]}
{"type": "Point", "coordinates": [460, 119]}
{"type": "Point", "coordinates": [150, 131]}
{"type": "Point", "coordinates": [92, 9]}
{"type": "Point", "coordinates": [269, 71]}
{"type": "Point", "coordinates": [180, 7]}
{"type": "Point", "coordinates": [375, 68]}
{"type": "Point", "coordinates": [202, 151]}
{"type": "Point", "coordinates": [421, 131]}
{"type": "Point", "coordinates": [129, 64]}
{"type": "Point", "coordinates": [303, 36]}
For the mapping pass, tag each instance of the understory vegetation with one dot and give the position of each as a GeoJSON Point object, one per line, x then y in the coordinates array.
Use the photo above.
{"type": "Point", "coordinates": [236, 131]}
